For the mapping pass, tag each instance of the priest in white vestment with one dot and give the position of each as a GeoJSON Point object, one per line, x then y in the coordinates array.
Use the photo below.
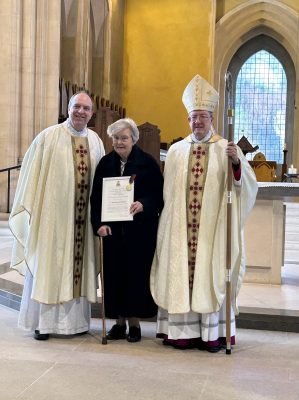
{"type": "Point", "coordinates": [188, 276]}
{"type": "Point", "coordinates": [54, 244]}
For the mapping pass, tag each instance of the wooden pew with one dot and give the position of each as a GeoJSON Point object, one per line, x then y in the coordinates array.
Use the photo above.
{"type": "Point", "coordinates": [149, 139]}
{"type": "Point", "coordinates": [104, 118]}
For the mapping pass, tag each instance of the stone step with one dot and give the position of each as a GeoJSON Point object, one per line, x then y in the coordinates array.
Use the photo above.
{"type": "Point", "coordinates": [292, 220]}
{"type": "Point", "coordinates": [292, 205]}
{"type": "Point", "coordinates": [10, 300]}
{"type": "Point", "coordinates": [292, 228]}
{"type": "Point", "coordinates": [268, 319]}
{"type": "Point", "coordinates": [292, 233]}
{"type": "Point", "coordinates": [292, 213]}
{"type": "Point", "coordinates": [4, 216]}
{"type": "Point", "coordinates": [292, 246]}
{"type": "Point", "coordinates": [291, 256]}
{"type": "Point", "coordinates": [292, 237]}
{"type": "Point", "coordinates": [4, 228]}
{"type": "Point", "coordinates": [5, 233]}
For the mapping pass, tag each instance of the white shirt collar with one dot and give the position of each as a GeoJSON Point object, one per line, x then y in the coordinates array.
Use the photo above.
{"type": "Point", "coordinates": [73, 131]}
{"type": "Point", "coordinates": [203, 140]}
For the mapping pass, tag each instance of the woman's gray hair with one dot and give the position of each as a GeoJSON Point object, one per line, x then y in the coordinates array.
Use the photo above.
{"type": "Point", "coordinates": [120, 125]}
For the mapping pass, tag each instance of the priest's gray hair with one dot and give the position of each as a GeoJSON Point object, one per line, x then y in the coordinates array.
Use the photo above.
{"type": "Point", "coordinates": [74, 95]}
{"type": "Point", "coordinates": [120, 125]}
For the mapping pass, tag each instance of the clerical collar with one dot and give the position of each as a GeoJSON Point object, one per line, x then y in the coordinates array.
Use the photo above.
{"type": "Point", "coordinates": [73, 131]}
{"type": "Point", "coordinates": [204, 140]}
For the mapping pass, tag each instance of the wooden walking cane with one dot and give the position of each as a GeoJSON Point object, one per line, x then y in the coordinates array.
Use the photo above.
{"type": "Point", "coordinates": [104, 339]}
{"type": "Point", "coordinates": [230, 115]}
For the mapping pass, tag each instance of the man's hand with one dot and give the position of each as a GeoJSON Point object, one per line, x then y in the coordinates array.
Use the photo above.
{"type": "Point", "coordinates": [231, 151]}
{"type": "Point", "coordinates": [136, 207]}
{"type": "Point", "coordinates": [104, 231]}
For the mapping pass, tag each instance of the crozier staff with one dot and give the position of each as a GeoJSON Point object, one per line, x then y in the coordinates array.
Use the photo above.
{"type": "Point", "coordinates": [129, 246]}
{"type": "Point", "coordinates": [188, 272]}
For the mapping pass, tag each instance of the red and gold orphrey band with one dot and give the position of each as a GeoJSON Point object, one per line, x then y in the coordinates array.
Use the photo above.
{"type": "Point", "coordinates": [198, 165]}
{"type": "Point", "coordinates": [81, 157]}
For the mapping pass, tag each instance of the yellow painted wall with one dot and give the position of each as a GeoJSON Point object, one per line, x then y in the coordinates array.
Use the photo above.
{"type": "Point", "coordinates": [167, 43]}
{"type": "Point", "coordinates": [230, 4]}
{"type": "Point", "coordinates": [117, 51]}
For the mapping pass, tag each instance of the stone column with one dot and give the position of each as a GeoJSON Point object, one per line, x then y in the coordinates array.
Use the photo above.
{"type": "Point", "coordinates": [30, 50]}
{"type": "Point", "coordinates": [82, 44]}
{"type": "Point", "coordinates": [28, 42]}
{"type": "Point", "coordinates": [47, 63]}
{"type": "Point", "coordinates": [107, 51]}
{"type": "Point", "coordinates": [10, 79]}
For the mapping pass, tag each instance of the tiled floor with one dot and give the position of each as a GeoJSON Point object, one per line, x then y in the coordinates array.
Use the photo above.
{"type": "Point", "coordinates": [263, 365]}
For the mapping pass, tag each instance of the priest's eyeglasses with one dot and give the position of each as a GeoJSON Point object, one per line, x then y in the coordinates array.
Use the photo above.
{"type": "Point", "coordinates": [201, 117]}
{"type": "Point", "coordinates": [123, 139]}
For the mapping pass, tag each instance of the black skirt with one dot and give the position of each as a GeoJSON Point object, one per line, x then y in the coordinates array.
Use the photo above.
{"type": "Point", "coordinates": [131, 297]}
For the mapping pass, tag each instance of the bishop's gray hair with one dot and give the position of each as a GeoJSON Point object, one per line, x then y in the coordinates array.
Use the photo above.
{"type": "Point", "coordinates": [79, 92]}
{"type": "Point", "coordinates": [120, 125]}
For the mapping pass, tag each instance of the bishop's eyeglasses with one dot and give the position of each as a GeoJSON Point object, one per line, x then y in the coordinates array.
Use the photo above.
{"type": "Point", "coordinates": [201, 117]}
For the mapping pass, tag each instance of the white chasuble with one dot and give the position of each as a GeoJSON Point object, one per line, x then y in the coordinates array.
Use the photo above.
{"type": "Point", "coordinates": [170, 275]}
{"type": "Point", "coordinates": [47, 216]}
{"type": "Point", "coordinates": [65, 319]}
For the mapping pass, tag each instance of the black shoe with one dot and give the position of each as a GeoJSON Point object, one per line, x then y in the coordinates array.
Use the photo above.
{"type": "Point", "coordinates": [134, 334]}
{"type": "Point", "coordinates": [167, 343]}
{"type": "Point", "coordinates": [82, 333]}
{"type": "Point", "coordinates": [40, 336]}
{"type": "Point", "coordinates": [175, 346]}
{"type": "Point", "coordinates": [213, 349]}
{"type": "Point", "coordinates": [117, 332]}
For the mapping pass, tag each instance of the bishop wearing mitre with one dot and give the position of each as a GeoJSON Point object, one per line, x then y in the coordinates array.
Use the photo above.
{"type": "Point", "coordinates": [54, 244]}
{"type": "Point", "coordinates": [188, 276]}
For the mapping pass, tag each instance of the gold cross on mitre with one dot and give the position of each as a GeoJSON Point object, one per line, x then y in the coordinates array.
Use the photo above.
{"type": "Point", "coordinates": [209, 93]}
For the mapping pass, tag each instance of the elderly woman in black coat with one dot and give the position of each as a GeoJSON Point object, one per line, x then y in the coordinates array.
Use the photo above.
{"type": "Point", "coordinates": [128, 246]}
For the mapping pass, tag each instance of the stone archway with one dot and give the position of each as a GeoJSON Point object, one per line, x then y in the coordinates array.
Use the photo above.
{"type": "Point", "coordinates": [241, 25]}
{"type": "Point", "coordinates": [264, 42]}
{"type": "Point", "coordinates": [85, 43]}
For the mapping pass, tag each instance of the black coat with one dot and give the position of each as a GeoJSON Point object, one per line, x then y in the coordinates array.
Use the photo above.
{"type": "Point", "coordinates": [129, 251]}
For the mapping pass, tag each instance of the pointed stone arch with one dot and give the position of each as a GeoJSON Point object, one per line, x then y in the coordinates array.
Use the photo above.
{"type": "Point", "coordinates": [241, 25]}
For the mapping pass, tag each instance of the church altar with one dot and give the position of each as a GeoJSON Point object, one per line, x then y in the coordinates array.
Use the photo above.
{"type": "Point", "coordinates": [264, 233]}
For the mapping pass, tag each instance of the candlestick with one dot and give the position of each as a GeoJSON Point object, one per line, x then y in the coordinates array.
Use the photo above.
{"type": "Point", "coordinates": [292, 170]}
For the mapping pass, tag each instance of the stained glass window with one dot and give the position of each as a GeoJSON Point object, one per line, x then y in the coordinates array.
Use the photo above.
{"type": "Point", "coordinates": [260, 108]}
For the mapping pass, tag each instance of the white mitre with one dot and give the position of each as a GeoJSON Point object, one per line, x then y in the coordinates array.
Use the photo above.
{"type": "Point", "coordinates": [200, 95]}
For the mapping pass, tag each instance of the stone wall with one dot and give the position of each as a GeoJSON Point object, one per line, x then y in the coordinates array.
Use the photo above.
{"type": "Point", "coordinates": [41, 40]}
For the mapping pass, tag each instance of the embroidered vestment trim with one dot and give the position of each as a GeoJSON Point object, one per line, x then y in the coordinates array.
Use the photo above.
{"type": "Point", "coordinates": [81, 156]}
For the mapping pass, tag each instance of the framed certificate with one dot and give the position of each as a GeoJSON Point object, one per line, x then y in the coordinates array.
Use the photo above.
{"type": "Point", "coordinates": [117, 197]}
